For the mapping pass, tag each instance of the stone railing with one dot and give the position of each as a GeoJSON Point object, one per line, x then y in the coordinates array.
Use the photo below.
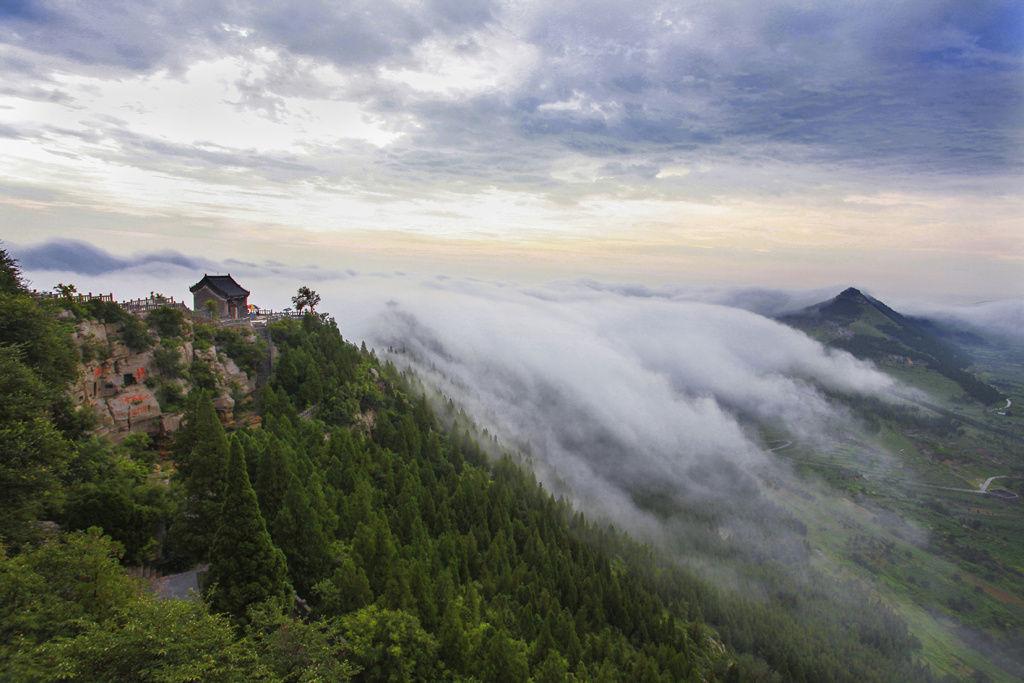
{"type": "Point", "coordinates": [151, 304]}
{"type": "Point", "coordinates": [132, 305]}
{"type": "Point", "coordinates": [265, 316]}
{"type": "Point", "coordinates": [257, 317]}
{"type": "Point", "coordinates": [310, 411]}
{"type": "Point", "coordinates": [76, 297]}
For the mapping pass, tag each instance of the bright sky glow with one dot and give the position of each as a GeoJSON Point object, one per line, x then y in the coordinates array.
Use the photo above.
{"type": "Point", "coordinates": [737, 142]}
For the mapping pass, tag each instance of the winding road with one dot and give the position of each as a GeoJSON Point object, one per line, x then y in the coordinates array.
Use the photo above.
{"type": "Point", "coordinates": [984, 487]}
{"type": "Point", "coordinates": [981, 489]}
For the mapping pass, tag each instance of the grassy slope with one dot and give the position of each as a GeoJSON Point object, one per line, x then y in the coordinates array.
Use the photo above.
{"type": "Point", "coordinates": [944, 559]}
{"type": "Point", "coordinates": [951, 562]}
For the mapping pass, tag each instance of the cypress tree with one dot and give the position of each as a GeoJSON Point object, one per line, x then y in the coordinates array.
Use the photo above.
{"type": "Point", "coordinates": [201, 454]}
{"type": "Point", "coordinates": [11, 281]}
{"type": "Point", "coordinates": [299, 533]}
{"type": "Point", "coordinates": [454, 640]}
{"type": "Point", "coordinates": [346, 590]}
{"type": "Point", "coordinates": [268, 401]}
{"type": "Point", "coordinates": [245, 567]}
{"type": "Point", "coordinates": [321, 507]}
{"type": "Point", "coordinates": [273, 474]}
{"type": "Point", "coordinates": [286, 375]}
{"type": "Point", "coordinates": [199, 425]}
{"type": "Point", "coordinates": [253, 449]}
{"type": "Point", "coordinates": [500, 658]}
{"type": "Point", "coordinates": [312, 390]}
{"type": "Point", "coordinates": [276, 403]}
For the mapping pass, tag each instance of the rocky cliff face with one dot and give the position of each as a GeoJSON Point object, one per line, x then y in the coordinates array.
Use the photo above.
{"type": "Point", "coordinates": [122, 386]}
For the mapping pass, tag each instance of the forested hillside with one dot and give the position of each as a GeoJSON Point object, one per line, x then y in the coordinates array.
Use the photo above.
{"type": "Point", "coordinates": [369, 541]}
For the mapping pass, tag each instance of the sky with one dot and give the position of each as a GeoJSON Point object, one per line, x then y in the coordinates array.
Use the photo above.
{"type": "Point", "coordinates": [728, 143]}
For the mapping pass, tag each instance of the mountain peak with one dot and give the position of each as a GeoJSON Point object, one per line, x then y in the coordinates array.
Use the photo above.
{"type": "Point", "coordinates": [852, 294]}
{"type": "Point", "coordinates": [881, 333]}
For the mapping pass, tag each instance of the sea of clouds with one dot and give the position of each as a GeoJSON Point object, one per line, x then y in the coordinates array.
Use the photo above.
{"type": "Point", "coordinates": [607, 389]}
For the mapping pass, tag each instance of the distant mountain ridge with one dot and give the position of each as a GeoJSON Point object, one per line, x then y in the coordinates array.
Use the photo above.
{"type": "Point", "coordinates": [871, 330]}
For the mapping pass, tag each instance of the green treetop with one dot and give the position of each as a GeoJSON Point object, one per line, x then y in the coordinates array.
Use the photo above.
{"type": "Point", "coordinates": [201, 453]}
{"type": "Point", "coordinates": [33, 454]}
{"type": "Point", "coordinates": [245, 567]}
{"type": "Point", "coordinates": [299, 533]}
{"type": "Point", "coordinates": [272, 476]}
{"type": "Point", "coordinates": [10, 275]}
{"type": "Point", "coordinates": [44, 342]}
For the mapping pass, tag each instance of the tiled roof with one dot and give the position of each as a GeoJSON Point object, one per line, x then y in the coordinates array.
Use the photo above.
{"type": "Point", "coordinates": [224, 285]}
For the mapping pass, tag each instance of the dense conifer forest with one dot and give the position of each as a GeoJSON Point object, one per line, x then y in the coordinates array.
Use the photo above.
{"type": "Point", "coordinates": [373, 540]}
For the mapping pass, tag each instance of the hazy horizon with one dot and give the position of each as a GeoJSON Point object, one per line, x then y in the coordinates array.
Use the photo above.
{"type": "Point", "coordinates": [727, 144]}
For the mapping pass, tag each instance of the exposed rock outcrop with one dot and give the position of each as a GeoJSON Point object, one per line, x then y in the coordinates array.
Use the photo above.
{"type": "Point", "coordinates": [121, 385]}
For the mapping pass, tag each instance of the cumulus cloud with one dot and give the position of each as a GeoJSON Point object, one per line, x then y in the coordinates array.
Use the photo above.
{"type": "Point", "coordinates": [612, 394]}
{"type": "Point", "coordinates": [923, 82]}
{"type": "Point", "coordinates": [618, 121]}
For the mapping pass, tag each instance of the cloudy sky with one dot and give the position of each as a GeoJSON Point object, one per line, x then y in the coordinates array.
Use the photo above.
{"type": "Point", "coordinates": [785, 143]}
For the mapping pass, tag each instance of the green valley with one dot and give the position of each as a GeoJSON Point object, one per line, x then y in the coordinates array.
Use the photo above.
{"type": "Point", "coordinates": [923, 501]}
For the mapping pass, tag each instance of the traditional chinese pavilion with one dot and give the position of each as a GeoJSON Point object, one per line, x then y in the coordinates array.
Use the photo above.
{"type": "Point", "coordinates": [231, 299]}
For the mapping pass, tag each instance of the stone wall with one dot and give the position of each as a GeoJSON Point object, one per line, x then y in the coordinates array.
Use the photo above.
{"type": "Point", "coordinates": [203, 295]}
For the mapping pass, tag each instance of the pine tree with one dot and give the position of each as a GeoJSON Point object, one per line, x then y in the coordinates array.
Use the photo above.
{"type": "Point", "coordinates": [312, 390]}
{"type": "Point", "coordinates": [453, 640]}
{"type": "Point", "coordinates": [299, 533]}
{"type": "Point", "coordinates": [201, 453]}
{"type": "Point", "coordinates": [500, 658]}
{"type": "Point", "coordinates": [10, 275]}
{"type": "Point", "coordinates": [346, 590]}
{"type": "Point", "coordinates": [286, 376]}
{"type": "Point", "coordinates": [321, 507]}
{"type": "Point", "coordinates": [33, 454]}
{"type": "Point", "coordinates": [268, 401]}
{"type": "Point", "coordinates": [554, 669]}
{"type": "Point", "coordinates": [245, 567]}
{"type": "Point", "coordinates": [274, 473]}
{"type": "Point", "coordinates": [200, 446]}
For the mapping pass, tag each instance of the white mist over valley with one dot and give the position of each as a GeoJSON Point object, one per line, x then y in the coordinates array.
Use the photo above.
{"type": "Point", "coordinates": [608, 391]}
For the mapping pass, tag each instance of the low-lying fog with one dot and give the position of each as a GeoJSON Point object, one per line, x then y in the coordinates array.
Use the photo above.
{"type": "Point", "coordinates": [610, 390]}
{"type": "Point", "coordinates": [613, 389]}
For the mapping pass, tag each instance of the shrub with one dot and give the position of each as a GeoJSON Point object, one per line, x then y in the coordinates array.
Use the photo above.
{"type": "Point", "coordinates": [167, 321]}
{"type": "Point", "coordinates": [202, 375]}
{"type": "Point", "coordinates": [94, 349]}
{"type": "Point", "coordinates": [105, 311]}
{"type": "Point", "coordinates": [139, 447]}
{"type": "Point", "coordinates": [167, 359]}
{"type": "Point", "coordinates": [135, 335]}
{"type": "Point", "coordinates": [170, 398]}
{"type": "Point", "coordinates": [202, 337]}
{"type": "Point", "coordinates": [246, 353]}
{"type": "Point", "coordinates": [237, 394]}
